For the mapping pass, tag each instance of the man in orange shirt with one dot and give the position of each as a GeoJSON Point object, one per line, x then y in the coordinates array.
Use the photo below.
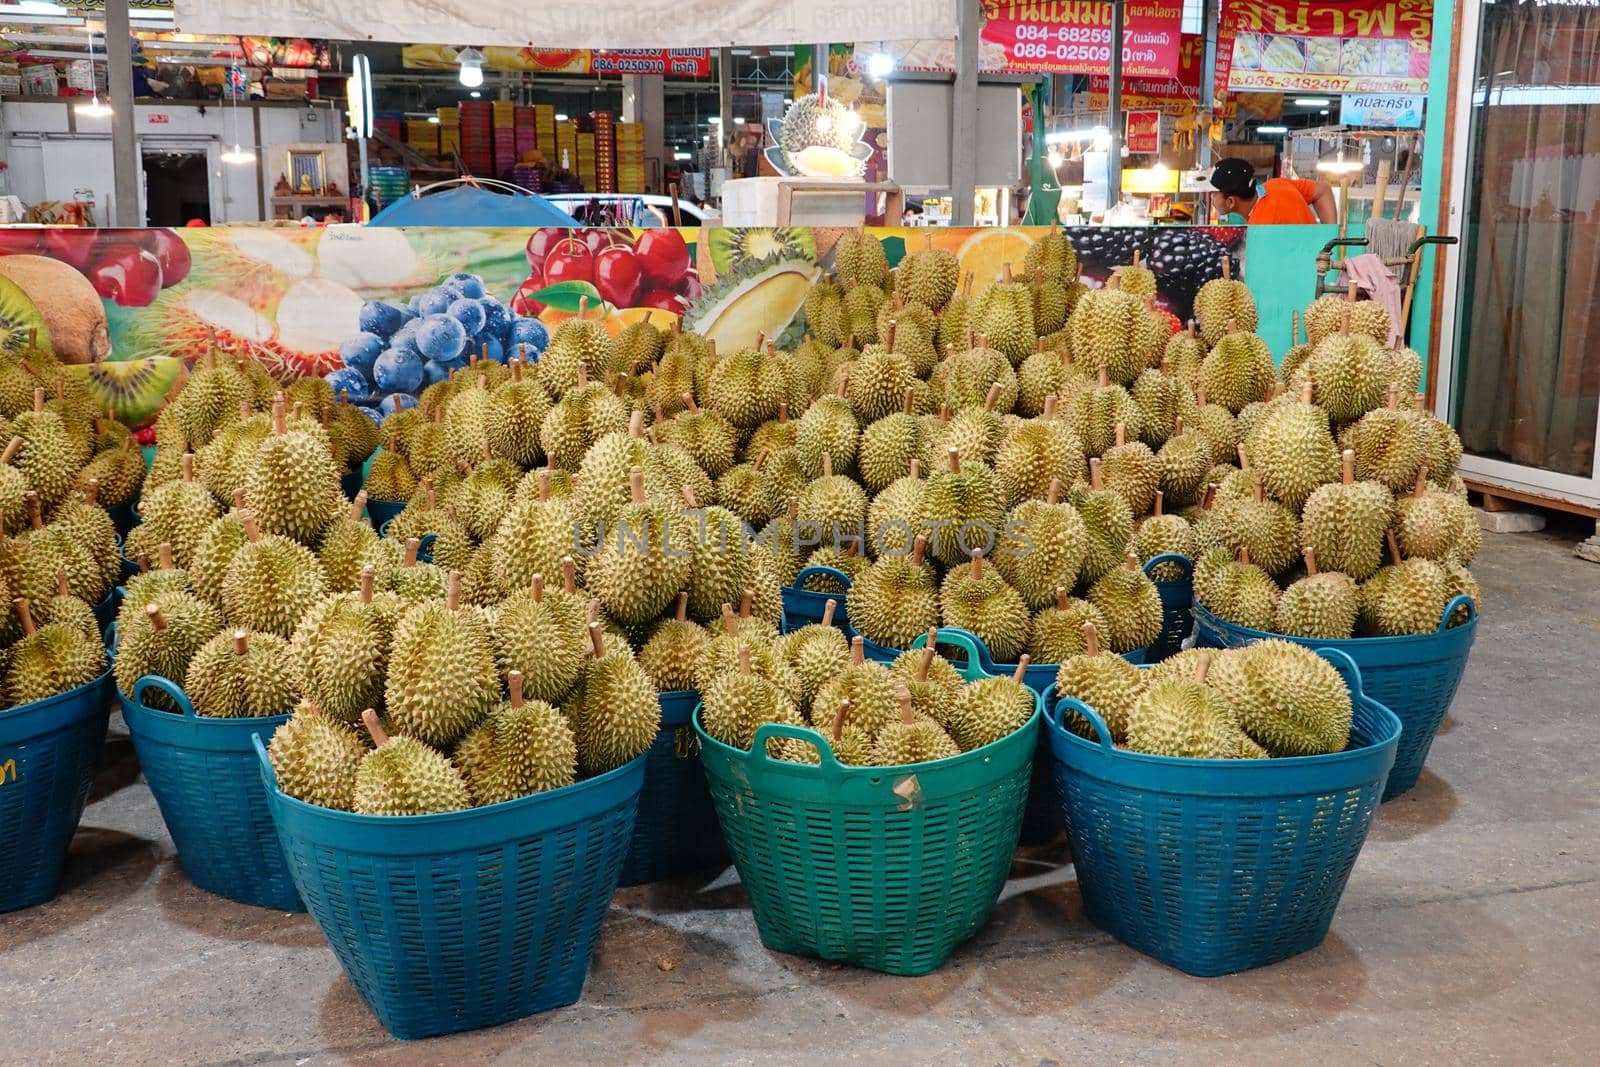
{"type": "Point", "coordinates": [1276, 200]}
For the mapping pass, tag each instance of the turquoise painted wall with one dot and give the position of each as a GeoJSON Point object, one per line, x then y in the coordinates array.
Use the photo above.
{"type": "Point", "coordinates": [1435, 173]}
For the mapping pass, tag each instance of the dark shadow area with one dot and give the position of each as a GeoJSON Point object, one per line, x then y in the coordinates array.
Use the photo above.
{"type": "Point", "coordinates": [186, 905]}
{"type": "Point", "coordinates": [104, 868]}
{"type": "Point", "coordinates": [1428, 804]}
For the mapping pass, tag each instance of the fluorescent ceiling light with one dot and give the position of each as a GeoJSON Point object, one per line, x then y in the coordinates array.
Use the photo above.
{"type": "Point", "coordinates": [880, 65]}
{"type": "Point", "coordinates": [94, 109]}
{"type": "Point", "coordinates": [1272, 129]}
{"type": "Point", "coordinates": [1311, 101]}
{"type": "Point", "coordinates": [471, 61]}
{"type": "Point", "coordinates": [561, 118]}
{"type": "Point", "coordinates": [238, 156]}
{"type": "Point", "coordinates": [434, 119]}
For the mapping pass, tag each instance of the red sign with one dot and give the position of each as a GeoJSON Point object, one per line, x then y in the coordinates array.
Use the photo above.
{"type": "Point", "coordinates": [1144, 131]}
{"type": "Point", "coordinates": [1075, 38]}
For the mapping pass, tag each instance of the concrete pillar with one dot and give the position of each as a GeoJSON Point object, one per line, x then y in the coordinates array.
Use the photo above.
{"type": "Point", "coordinates": [964, 113]}
{"type": "Point", "coordinates": [125, 210]}
{"type": "Point", "coordinates": [644, 100]}
{"type": "Point", "coordinates": [1114, 106]}
{"type": "Point", "coordinates": [724, 103]}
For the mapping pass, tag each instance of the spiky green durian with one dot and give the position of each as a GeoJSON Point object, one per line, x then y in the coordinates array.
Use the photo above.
{"type": "Point", "coordinates": [964, 509]}
{"type": "Point", "coordinates": [705, 435]}
{"type": "Point", "coordinates": [615, 711]}
{"type": "Point", "coordinates": [405, 776]}
{"type": "Point", "coordinates": [1344, 522]}
{"type": "Point", "coordinates": [1238, 591]}
{"type": "Point", "coordinates": [1035, 453]}
{"type": "Point", "coordinates": [834, 505]}
{"type": "Point", "coordinates": [1160, 533]}
{"type": "Point", "coordinates": [641, 563]}
{"type": "Point", "coordinates": [270, 582]}
{"type": "Point", "coordinates": [1096, 412]}
{"type": "Point", "coordinates": [979, 600]}
{"type": "Point", "coordinates": [1185, 718]}
{"type": "Point", "coordinates": [1406, 597]}
{"type": "Point", "coordinates": [1436, 524]}
{"type": "Point", "coordinates": [1290, 700]}
{"type": "Point", "coordinates": [581, 417]}
{"type": "Point", "coordinates": [828, 426]}
{"type": "Point", "coordinates": [910, 739]}
{"type": "Point", "coordinates": [48, 659]}
{"type": "Point", "coordinates": [889, 445]}
{"type": "Point", "coordinates": [928, 276]}
{"type": "Point", "coordinates": [896, 598]}
{"type": "Point", "coordinates": [1221, 300]}
{"type": "Point", "coordinates": [1326, 317]}
{"type": "Point", "coordinates": [161, 638]}
{"type": "Point", "coordinates": [292, 483]}
{"type": "Point", "coordinates": [1131, 605]}
{"type": "Point", "coordinates": [1042, 547]}
{"type": "Point", "coordinates": [1239, 369]}
{"type": "Point", "coordinates": [48, 456]}
{"type": "Point", "coordinates": [343, 647]}
{"type": "Point", "coordinates": [315, 758]}
{"type": "Point", "coordinates": [858, 259]}
{"type": "Point", "coordinates": [1057, 632]}
{"type": "Point", "coordinates": [1103, 680]}
{"type": "Point", "coordinates": [1322, 604]}
{"type": "Point", "coordinates": [1107, 522]}
{"type": "Point", "coordinates": [1104, 328]}
{"type": "Point", "coordinates": [242, 675]}
{"type": "Point", "coordinates": [441, 674]}
{"type": "Point", "coordinates": [178, 512]}
{"type": "Point", "coordinates": [535, 535]}
{"type": "Point", "coordinates": [578, 341]}
{"type": "Point", "coordinates": [1130, 469]}
{"type": "Point", "coordinates": [523, 747]}
{"type": "Point", "coordinates": [1004, 314]}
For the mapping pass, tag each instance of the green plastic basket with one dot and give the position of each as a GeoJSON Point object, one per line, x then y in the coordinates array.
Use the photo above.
{"type": "Point", "coordinates": [888, 868]}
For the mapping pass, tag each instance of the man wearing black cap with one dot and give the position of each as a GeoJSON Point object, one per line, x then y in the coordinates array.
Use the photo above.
{"type": "Point", "coordinates": [1276, 200]}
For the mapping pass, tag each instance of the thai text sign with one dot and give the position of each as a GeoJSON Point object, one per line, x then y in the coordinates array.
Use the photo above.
{"type": "Point", "coordinates": [1367, 46]}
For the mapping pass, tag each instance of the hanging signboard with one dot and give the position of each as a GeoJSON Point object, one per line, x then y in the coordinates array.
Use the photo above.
{"type": "Point", "coordinates": [1144, 131]}
{"type": "Point", "coordinates": [1075, 38]}
{"type": "Point", "coordinates": [1366, 46]}
{"type": "Point", "coordinates": [682, 62]}
{"type": "Point", "coordinates": [1178, 95]}
{"type": "Point", "coordinates": [1385, 110]}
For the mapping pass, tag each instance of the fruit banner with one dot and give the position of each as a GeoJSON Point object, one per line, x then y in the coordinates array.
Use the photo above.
{"type": "Point", "coordinates": [1177, 95]}
{"type": "Point", "coordinates": [1367, 46]}
{"type": "Point", "coordinates": [680, 62]}
{"type": "Point", "coordinates": [381, 312]}
{"type": "Point", "coordinates": [1075, 38]}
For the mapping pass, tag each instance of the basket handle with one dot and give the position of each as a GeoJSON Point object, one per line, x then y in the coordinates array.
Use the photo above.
{"type": "Point", "coordinates": [267, 772]}
{"type": "Point", "coordinates": [1176, 559]}
{"type": "Point", "coordinates": [979, 665]}
{"type": "Point", "coordinates": [167, 686]}
{"type": "Point", "coordinates": [769, 731]}
{"type": "Point", "coordinates": [1090, 716]}
{"type": "Point", "coordinates": [113, 639]}
{"type": "Point", "coordinates": [425, 545]}
{"type": "Point", "coordinates": [1460, 600]}
{"type": "Point", "coordinates": [383, 527]}
{"type": "Point", "coordinates": [1346, 665]}
{"type": "Point", "coordinates": [819, 571]}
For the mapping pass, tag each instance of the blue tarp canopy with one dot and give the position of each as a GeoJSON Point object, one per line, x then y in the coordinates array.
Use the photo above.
{"type": "Point", "coordinates": [466, 205]}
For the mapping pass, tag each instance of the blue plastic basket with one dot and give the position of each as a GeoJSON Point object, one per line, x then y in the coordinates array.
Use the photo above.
{"type": "Point", "coordinates": [1177, 598]}
{"type": "Point", "coordinates": [48, 753]}
{"type": "Point", "coordinates": [468, 918]}
{"type": "Point", "coordinates": [802, 607]}
{"type": "Point", "coordinates": [204, 776]}
{"type": "Point", "coordinates": [124, 517]}
{"type": "Point", "coordinates": [381, 511]}
{"type": "Point", "coordinates": [676, 831]}
{"type": "Point", "coordinates": [1218, 866]}
{"type": "Point", "coordinates": [1415, 677]}
{"type": "Point", "coordinates": [424, 543]}
{"type": "Point", "coordinates": [881, 867]}
{"type": "Point", "coordinates": [350, 483]}
{"type": "Point", "coordinates": [105, 612]}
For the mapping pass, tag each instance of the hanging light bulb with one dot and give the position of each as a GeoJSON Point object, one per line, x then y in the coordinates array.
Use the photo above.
{"type": "Point", "coordinates": [238, 155]}
{"type": "Point", "coordinates": [471, 61]}
{"type": "Point", "coordinates": [94, 109]}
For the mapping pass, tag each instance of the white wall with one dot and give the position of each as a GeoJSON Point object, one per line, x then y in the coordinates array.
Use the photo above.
{"type": "Point", "coordinates": [47, 162]}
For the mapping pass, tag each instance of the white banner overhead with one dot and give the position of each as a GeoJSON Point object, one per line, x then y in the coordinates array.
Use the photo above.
{"type": "Point", "coordinates": [586, 24]}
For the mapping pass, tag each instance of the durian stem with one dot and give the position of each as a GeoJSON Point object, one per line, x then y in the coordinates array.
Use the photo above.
{"type": "Point", "coordinates": [1157, 506]}
{"type": "Point", "coordinates": [38, 398]}
{"type": "Point", "coordinates": [1202, 664]}
{"type": "Point", "coordinates": [919, 546]}
{"type": "Point", "coordinates": [569, 575]}
{"type": "Point", "coordinates": [514, 688]}
{"type": "Point", "coordinates": [544, 485]}
{"type": "Point", "coordinates": [13, 445]}
{"type": "Point", "coordinates": [1103, 378]}
{"type": "Point", "coordinates": [1394, 546]}
{"type": "Point", "coordinates": [358, 505]}
{"type": "Point", "coordinates": [1005, 273]}
{"type": "Point", "coordinates": [636, 484]}
{"type": "Point", "coordinates": [953, 458]}
{"type": "Point", "coordinates": [1233, 325]}
{"type": "Point", "coordinates": [1422, 480]}
{"type": "Point", "coordinates": [928, 652]}
{"type": "Point", "coordinates": [1132, 563]}
{"type": "Point", "coordinates": [1394, 396]}
{"type": "Point", "coordinates": [1049, 406]}
{"type": "Point", "coordinates": [1344, 321]}
{"type": "Point", "coordinates": [783, 412]}
{"type": "Point", "coordinates": [452, 591]}
{"type": "Point", "coordinates": [1118, 435]}
{"type": "Point", "coordinates": [1061, 598]}
{"type": "Point", "coordinates": [1347, 466]}
{"type": "Point", "coordinates": [689, 500]}
{"type": "Point", "coordinates": [1244, 555]}
{"type": "Point", "coordinates": [279, 423]}
{"type": "Point", "coordinates": [537, 589]}
{"type": "Point", "coordinates": [369, 719]}
{"type": "Point", "coordinates": [747, 600]}
{"type": "Point", "coordinates": [916, 469]}
{"type": "Point", "coordinates": [827, 465]}
{"type": "Point", "coordinates": [636, 425]}
{"type": "Point", "coordinates": [413, 545]}
{"type": "Point", "coordinates": [1261, 494]}
{"type": "Point", "coordinates": [583, 301]}
{"type": "Point", "coordinates": [63, 587]}
{"type": "Point", "coordinates": [838, 721]}
{"type": "Point", "coordinates": [1244, 460]}
{"type": "Point", "coordinates": [144, 563]}
{"type": "Point", "coordinates": [186, 466]}
{"type": "Point", "coordinates": [164, 555]}
{"type": "Point", "coordinates": [993, 397]}
{"type": "Point", "coordinates": [744, 658]}
{"type": "Point", "coordinates": [730, 622]}
{"type": "Point", "coordinates": [858, 652]}
{"type": "Point", "coordinates": [596, 641]}
{"type": "Point", "coordinates": [1309, 554]}
{"type": "Point", "coordinates": [977, 566]}
{"type": "Point", "coordinates": [25, 616]}
{"type": "Point", "coordinates": [1053, 492]}
{"type": "Point", "coordinates": [827, 609]}
{"type": "Point", "coordinates": [1022, 668]}
{"type": "Point", "coordinates": [583, 375]}
{"type": "Point", "coordinates": [35, 510]}
{"type": "Point", "coordinates": [153, 613]}
{"type": "Point", "coordinates": [1094, 474]}
{"type": "Point", "coordinates": [368, 576]}
{"type": "Point", "coordinates": [241, 642]}
{"type": "Point", "coordinates": [1227, 268]}
{"type": "Point", "coordinates": [762, 459]}
{"type": "Point", "coordinates": [905, 403]}
{"type": "Point", "coordinates": [888, 337]}
{"type": "Point", "coordinates": [908, 715]}
{"type": "Point", "coordinates": [1091, 639]}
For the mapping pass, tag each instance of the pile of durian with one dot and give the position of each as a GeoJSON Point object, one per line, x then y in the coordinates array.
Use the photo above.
{"type": "Point", "coordinates": [61, 466]}
{"type": "Point", "coordinates": [1271, 698]}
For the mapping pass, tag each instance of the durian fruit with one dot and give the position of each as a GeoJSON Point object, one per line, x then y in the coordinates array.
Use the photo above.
{"type": "Point", "coordinates": [1046, 373]}
{"type": "Point", "coordinates": [868, 687]}
{"type": "Point", "coordinates": [48, 659]}
{"type": "Point", "coordinates": [1263, 526]}
{"type": "Point", "coordinates": [150, 583]}
{"type": "Point", "coordinates": [1294, 450]}
{"type": "Point", "coordinates": [242, 675]}
{"type": "Point", "coordinates": [909, 739]}
{"type": "Point", "coordinates": [1239, 369]}
{"type": "Point", "coordinates": [441, 673]}
{"type": "Point", "coordinates": [850, 744]}
{"type": "Point", "coordinates": [935, 686]}
{"type": "Point", "coordinates": [1134, 277]}
{"type": "Point", "coordinates": [67, 610]}
{"type": "Point", "coordinates": [1043, 547]}
{"type": "Point", "coordinates": [1322, 604]}
{"type": "Point", "coordinates": [1004, 312]}
{"type": "Point", "coordinates": [1343, 523]}
{"type": "Point", "coordinates": [1103, 680]}
{"type": "Point", "coordinates": [316, 757]}
{"type": "Point", "coordinates": [825, 315]}
{"type": "Point", "coordinates": [119, 472]}
{"type": "Point", "coordinates": [1390, 444]}
{"type": "Point", "coordinates": [582, 416]}
{"type": "Point", "coordinates": [1443, 449]}
{"type": "Point", "coordinates": [270, 582]}
{"type": "Point", "coordinates": [673, 650]}
{"type": "Point", "coordinates": [640, 565]}
{"type": "Point", "coordinates": [1052, 302]}
{"type": "Point", "coordinates": [344, 547]}
{"type": "Point", "coordinates": [540, 640]}
{"type": "Point", "coordinates": [1183, 355]}
{"type": "Point", "coordinates": [843, 558]}
{"type": "Point", "coordinates": [415, 581]}
{"type": "Point", "coordinates": [577, 341]}
{"type": "Point", "coordinates": [1096, 412]}
{"type": "Point", "coordinates": [404, 776]}
{"type": "Point", "coordinates": [889, 445]}
{"type": "Point", "coordinates": [816, 653]}
{"type": "Point", "coordinates": [1460, 582]}
{"type": "Point", "coordinates": [1241, 593]}
{"type": "Point", "coordinates": [535, 535]}
{"type": "Point", "coordinates": [721, 564]}
{"type": "Point", "coordinates": [834, 505]}
{"type": "Point", "coordinates": [721, 654]}
{"type": "Point", "coordinates": [292, 483]}
{"type": "Point", "coordinates": [1222, 299]}
{"type": "Point", "coordinates": [1436, 524]}
{"type": "Point", "coordinates": [1107, 523]}
{"type": "Point", "coordinates": [966, 377]}
{"type": "Point", "coordinates": [1053, 256]}
{"type": "Point", "coordinates": [523, 747]}
{"type": "Point", "coordinates": [481, 499]}
{"type": "Point", "coordinates": [1161, 399]}
{"type": "Point", "coordinates": [1131, 605]}
{"type": "Point", "coordinates": [1159, 533]}
{"type": "Point", "coordinates": [161, 638]}
{"type": "Point", "coordinates": [740, 701]}
{"type": "Point", "coordinates": [1034, 453]}
{"type": "Point", "coordinates": [615, 710]}
{"type": "Point", "coordinates": [964, 508]}
{"type": "Point", "coordinates": [1057, 632]}
{"type": "Point", "coordinates": [953, 328]}
{"type": "Point", "coordinates": [928, 276]}
{"type": "Point", "coordinates": [176, 512]}
{"type": "Point", "coordinates": [48, 456]}
{"type": "Point", "coordinates": [1290, 700]}
{"type": "Point", "coordinates": [1349, 371]}
{"type": "Point", "coordinates": [1188, 719]}
{"type": "Point", "coordinates": [1217, 425]}
{"type": "Point", "coordinates": [975, 431]}
{"type": "Point", "coordinates": [343, 650]}
{"type": "Point", "coordinates": [979, 600]}
{"type": "Point", "coordinates": [390, 476]}
{"type": "Point", "coordinates": [746, 387]}
{"type": "Point", "coordinates": [1130, 469]}
{"type": "Point", "coordinates": [705, 435]}
{"type": "Point", "coordinates": [1183, 463]}
{"type": "Point", "coordinates": [748, 491]}
{"type": "Point", "coordinates": [858, 259]}
{"type": "Point", "coordinates": [1407, 597]}
{"type": "Point", "coordinates": [895, 514]}
{"type": "Point", "coordinates": [992, 708]}
{"type": "Point", "coordinates": [1104, 330]}
{"type": "Point", "coordinates": [876, 381]}
{"type": "Point", "coordinates": [896, 598]}
{"type": "Point", "coordinates": [1325, 317]}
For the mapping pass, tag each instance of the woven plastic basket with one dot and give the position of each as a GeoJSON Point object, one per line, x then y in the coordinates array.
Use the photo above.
{"type": "Point", "coordinates": [1177, 598]}
{"type": "Point", "coordinates": [105, 612]}
{"type": "Point", "coordinates": [205, 779]}
{"type": "Point", "coordinates": [382, 511]}
{"type": "Point", "coordinates": [676, 831]}
{"type": "Point", "coordinates": [468, 918]}
{"type": "Point", "coordinates": [886, 868]}
{"type": "Point", "coordinates": [1415, 677]}
{"type": "Point", "coordinates": [48, 753]}
{"type": "Point", "coordinates": [1218, 866]}
{"type": "Point", "coordinates": [803, 606]}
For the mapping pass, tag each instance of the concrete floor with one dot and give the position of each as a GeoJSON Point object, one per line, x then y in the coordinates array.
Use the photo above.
{"type": "Point", "coordinates": [1470, 931]}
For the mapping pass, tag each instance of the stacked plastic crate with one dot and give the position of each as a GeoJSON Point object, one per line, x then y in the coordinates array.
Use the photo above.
{"type": "Point", "coordinates": [630, 157]}
{"type": "Point", "coordinates": [477, 137]}
{"type": "Point", "coordinates": [605, 152]}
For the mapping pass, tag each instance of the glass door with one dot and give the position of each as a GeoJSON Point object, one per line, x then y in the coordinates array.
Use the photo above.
{"type": "Point", "coordinates": [1522, 371]}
